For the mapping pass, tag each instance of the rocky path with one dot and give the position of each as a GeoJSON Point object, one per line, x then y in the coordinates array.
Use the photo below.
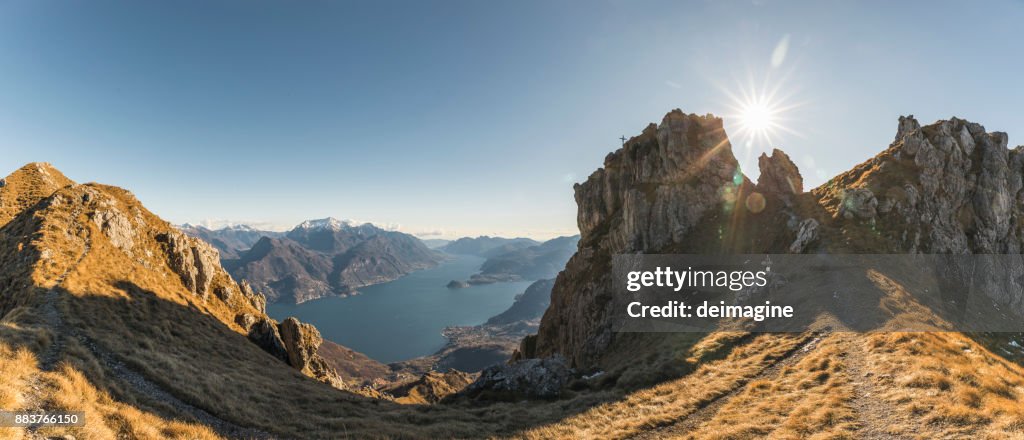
{"type": "Point", "coordinates": [875, 416]}
{"type": "Point", "coordinates": [52, 317]}
{"type": "Point", "coordinates": [695, 419]}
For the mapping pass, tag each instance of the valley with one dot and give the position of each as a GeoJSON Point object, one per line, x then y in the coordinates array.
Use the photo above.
{"type": "Point", "coordinates": [404, 319]}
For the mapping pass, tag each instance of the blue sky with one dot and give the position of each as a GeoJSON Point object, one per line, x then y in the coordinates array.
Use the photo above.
{"type": "Point", "coordinates": [465, 117]}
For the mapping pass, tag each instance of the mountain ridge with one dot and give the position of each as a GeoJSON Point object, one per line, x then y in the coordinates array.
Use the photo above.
{"type": "Point", "coordinates": [329, 257]}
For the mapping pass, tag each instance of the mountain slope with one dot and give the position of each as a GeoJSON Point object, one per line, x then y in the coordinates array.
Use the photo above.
{"type": "Point", "coordinates": [107, 308]}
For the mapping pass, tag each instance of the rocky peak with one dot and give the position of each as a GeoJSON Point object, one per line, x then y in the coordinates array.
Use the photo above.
{"type": "Point", "coordinates": [779, 175]}
{"type": "Point", "coordinates": [946, 187]}
{"type": "Point", "coordinates": [671, 174]}
{"type": "Point", "coordinates": [27, 186]}
{"type": "Point", "coordinates": [650, 195]}
{"type": "Point", "coordinates": [329, 223]}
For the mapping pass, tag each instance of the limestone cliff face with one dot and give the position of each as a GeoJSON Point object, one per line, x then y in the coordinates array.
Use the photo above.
{"type": "Point", "coordinates": [948, 187]}
{"type": "Point", "coordinates": [649, 195]}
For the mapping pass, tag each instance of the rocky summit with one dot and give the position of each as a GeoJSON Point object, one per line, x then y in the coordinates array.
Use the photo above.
{"type": "Point", "coordinates": [947, 187]}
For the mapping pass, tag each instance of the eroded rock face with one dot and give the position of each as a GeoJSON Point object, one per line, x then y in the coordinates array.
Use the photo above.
{"type": "Point", "coordinates": [948, 187]}
{"type": "Point", "coordinates": [192, 259]}
{"type": "Point", "coordinates": [650, 194]}
{"type": "Point", "coordinates": [117, 227]}
{"type": "Point", "coordinates": [530, 378]}
{"type": "Point", "coordinates": [263, 332]}
{"type": "Point", "coordinates": [779, 175]}
{"type": "Point", "coordinates": [301, 342]}
{"type": "Point", "coordinates": [858, 203]}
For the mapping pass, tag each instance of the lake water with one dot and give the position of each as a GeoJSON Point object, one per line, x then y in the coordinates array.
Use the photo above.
{"type": "Point", "coordinates": [403, 319]}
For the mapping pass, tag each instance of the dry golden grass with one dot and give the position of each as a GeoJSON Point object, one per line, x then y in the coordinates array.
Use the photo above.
{"type": "Point", "coordinates": [956, 386]}
{"type": "Point", "coordinates": [26, 387]}
{"type": "Point", "coordinates": [16, 367]}
{"type": "Point", "coordinates": [662, 404]}
{"type": "Point", "coordinates": [107, 418]}
{"type": "Point", "coordinates": [807, 399]}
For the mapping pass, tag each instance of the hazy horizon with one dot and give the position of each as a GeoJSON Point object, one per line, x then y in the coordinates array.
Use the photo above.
{"type": "Point", "coordinates": [467, 118]}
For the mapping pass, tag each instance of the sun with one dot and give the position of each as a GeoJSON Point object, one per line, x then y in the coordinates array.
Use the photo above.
{"type": "Point", "coordinates": [759, 113]}
{"type": "Point", "coordinates": [757, 117]}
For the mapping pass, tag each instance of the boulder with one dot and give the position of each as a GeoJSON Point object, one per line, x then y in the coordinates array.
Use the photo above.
{"type": "Point", "coordinates": [301, 342]}
{"type": "Point", "coordinates": [807, 233]}
{"type": "Point", "coordinates": [431, 387]}
{"type": "Point", "coordinates": [530, 378]}
{"type": "Point", "coordinates": [263, 332]}
{"type": "Point", "coordinates": [858, 203]}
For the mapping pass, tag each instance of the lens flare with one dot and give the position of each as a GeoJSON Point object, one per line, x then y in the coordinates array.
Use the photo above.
{"type": "Point", "coordinates": [757, 117]}
{"type": "Point", "coordinates": [759, 113]}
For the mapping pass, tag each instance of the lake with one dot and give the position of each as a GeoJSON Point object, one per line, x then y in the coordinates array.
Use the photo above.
{"type": "Point", "coordinates": [403, 319]}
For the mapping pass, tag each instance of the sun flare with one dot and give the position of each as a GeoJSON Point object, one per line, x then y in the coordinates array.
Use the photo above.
{"type": "Point", "coordinates": [759, 113]}
{"type": "Point", "coordinates": [757, 116]}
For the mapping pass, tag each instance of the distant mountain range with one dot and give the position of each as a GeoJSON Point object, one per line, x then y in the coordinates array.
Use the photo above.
{"type": "Point", "coordinates": [231, 241]}
{"type": "Point", "coordinates": [317, 258]}
{"type": "Point", "coordinates": [511, 259]}
{"type": "Point", "coordinates": [484, 246]}
{"type": "Point", "coordinates": [435, 243]}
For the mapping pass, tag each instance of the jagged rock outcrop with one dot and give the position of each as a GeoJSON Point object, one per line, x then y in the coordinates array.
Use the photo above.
{"type": "Point", "coordinates": [264, 333]}
{"type": "Point", "coordinates": [659, 185]}
{"type": "Point", "coordinates": [951, 186]}
{"type": "Point", "coordinates": [649, 195]}
{"type": "Point", "coordinates": [301, 342]}
{"type": "Point", "coordinates": [116, 226]}
{"type": "Point", "coordinates": [530, 378]}
{"type": "Point", "coordinates": [948, 187]}
{"type": "Point", "coordinates": [192, 259]}
{"type": "Point", "coordinates": [779, 175]}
